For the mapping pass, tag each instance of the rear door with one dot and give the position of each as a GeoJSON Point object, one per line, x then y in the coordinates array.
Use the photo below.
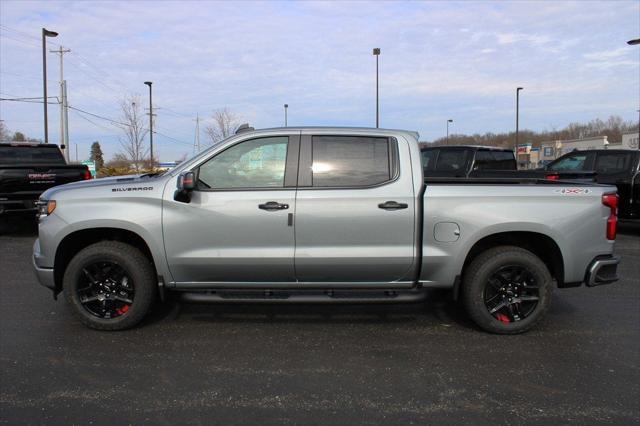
{"type": "Point", "coordinates": [354, 210]}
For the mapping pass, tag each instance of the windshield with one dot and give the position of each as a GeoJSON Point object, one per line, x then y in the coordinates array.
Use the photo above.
{"type": "Point", "coordinates": [17, 155]}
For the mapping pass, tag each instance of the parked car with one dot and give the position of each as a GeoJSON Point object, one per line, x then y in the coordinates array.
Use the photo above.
{"type": "Point", "coordinates": [319, 215]}
{"type": "Point", "coordinates": [28, 169]}
{"type": "Point", "coordinates": [469, 161]}
{"type": "Point", "coordinates": [619, 167]}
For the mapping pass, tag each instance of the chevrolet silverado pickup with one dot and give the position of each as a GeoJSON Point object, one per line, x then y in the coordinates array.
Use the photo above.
{"type": "Point", "coordinates": [28, 169]}
{"type": "Point", "coordinates": [321, 215]}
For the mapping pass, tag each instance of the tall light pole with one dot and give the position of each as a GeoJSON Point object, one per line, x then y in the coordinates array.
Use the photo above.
{"type": "Point", "coordinates": [517, 118]}
{"type": "Point", "coordinates": [376, 53]}
{"type": "Point", "coordinates": [149, 83]}
{"type": "Point", "coordinates": [448, 121]}
{"type": "Point", "coordinates": [45, 33]}
{"type": "Point", "coordinates": [286, 106]}
{"type": "Point", "coordinates": [632, 43]}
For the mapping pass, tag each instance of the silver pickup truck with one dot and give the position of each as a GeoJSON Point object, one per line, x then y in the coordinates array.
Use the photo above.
{"type": "Point", "coordinates": [315, 215]}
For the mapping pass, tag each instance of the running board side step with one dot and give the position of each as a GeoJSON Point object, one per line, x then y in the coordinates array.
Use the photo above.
{"type": "Point", "coordinates": [315, 297]}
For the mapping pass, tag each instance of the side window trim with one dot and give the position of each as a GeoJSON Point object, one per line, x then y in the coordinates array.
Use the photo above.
{"type": "Point", "coordinates": [305, 176]}
{"type": "Point", "coordinates": [290, 171]}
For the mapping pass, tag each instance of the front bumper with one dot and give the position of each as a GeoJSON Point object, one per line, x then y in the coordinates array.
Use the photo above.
{"type": "Point", "coordinates": [45, 275]}
{"type": "Point", "coordinates": [602, 270]}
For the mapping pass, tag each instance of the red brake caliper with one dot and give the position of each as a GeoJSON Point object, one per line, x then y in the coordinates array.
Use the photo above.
{"type": "Point", "coordinates": [123, 310]}
{"type": "Point", "coordinates": [503, 318]}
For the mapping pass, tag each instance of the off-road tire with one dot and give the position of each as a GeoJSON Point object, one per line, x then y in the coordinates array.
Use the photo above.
{"type": "Point", "coordinates": [476, 276]}
{"type": "Point", "coordinates": [136, 265]}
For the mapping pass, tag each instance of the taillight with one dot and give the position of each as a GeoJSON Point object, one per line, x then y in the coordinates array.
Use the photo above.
{"type": "Point", "coordinates": [611, 201]}
{"type": "Point", "coordinates": [87, 174]}
{"type": "Point", "coordinates": [552, 177]}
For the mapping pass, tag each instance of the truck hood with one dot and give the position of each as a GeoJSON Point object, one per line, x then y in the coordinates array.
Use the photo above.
{"type": "Point", "coordinates": [114, 181]}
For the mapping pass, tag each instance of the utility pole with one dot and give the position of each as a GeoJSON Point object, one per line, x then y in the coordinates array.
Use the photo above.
{"type": "Point", "coordinates": [65, 149]}
{"type": "Point", "coordinates": [149, 83]}
{"type": "Point", "coordinates": [196, 141]}
{"type": "Point", "coordinates": [65, 107]}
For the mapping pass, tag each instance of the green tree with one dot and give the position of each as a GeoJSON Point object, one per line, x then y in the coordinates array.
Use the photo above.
{"type": "Point", "coordinates": [19, 137]}
{"type": "Point", "coordinates": [96, 155]}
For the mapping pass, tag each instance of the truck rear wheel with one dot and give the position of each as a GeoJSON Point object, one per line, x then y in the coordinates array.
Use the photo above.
{"type": "Point", "coordinates": [506, 290]}
{"type": "Point", "coordinates": [110, 285]}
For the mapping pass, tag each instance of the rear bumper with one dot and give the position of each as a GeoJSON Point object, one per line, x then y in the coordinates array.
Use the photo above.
{"type": "Point", "coordinates": [602, 270]}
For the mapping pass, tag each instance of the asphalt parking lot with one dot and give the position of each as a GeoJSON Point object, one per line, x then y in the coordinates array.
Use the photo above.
{"type": "Point", "coordinates": [421, 363]}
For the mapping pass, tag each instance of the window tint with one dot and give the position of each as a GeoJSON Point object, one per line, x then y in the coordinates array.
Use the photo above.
{"type": "Point", "coordinates": [429, 159]}
{"type": "Point", "coordinates": [350, 161]}
{"type": "Point", "coordinates": [30, 155]}
{"type": "Point", "coordinates": [257, 163]}
{"type": "Point", "coordinates": [452, 160]}
{"type": "Point", "coordinates": [494, 160]}
{"type": "Point", "coordinates": [572, 162]}
{"type": "Point", "coordinates": [609, 163]}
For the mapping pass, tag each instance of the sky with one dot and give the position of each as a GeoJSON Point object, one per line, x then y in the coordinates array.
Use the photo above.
{"type": "Point", "coordinates": [439, 61]}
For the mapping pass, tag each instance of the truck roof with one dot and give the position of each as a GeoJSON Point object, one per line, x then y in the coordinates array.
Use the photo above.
{"type": "Point", "coordinates": [476, 147]}
{"type": "Point", "coordinates": [371, 130]}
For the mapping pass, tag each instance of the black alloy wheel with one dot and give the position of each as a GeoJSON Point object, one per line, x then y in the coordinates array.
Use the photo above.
{"type": "Point", "coordinates": [105, 290]}
{"type": "Point", "coordinates": [511, 293]}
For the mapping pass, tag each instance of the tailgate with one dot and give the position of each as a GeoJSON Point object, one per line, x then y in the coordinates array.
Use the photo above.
{"type": "Point", "coordinates": [37, 178]}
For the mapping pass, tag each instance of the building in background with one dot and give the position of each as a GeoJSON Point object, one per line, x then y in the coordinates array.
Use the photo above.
{"type": "Point", "coordinates": [551, 150]}
{"type": "Point", "coordinates": [629, 141]}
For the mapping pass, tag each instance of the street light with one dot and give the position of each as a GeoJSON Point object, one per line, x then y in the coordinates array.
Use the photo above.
{"type": "Point", "coordinates": [517, 117]}
{"type": "Point", "coordinates": [376, 53]}
{"type": "Point", "coordinates": [149, 83]}
{"type": "Point", "coordinates": [45, 33]}
{"type": "Point", "coordinates": [285, 114]}
{"type": "Point", "coordinates": [635, 41]}
{"type": "Point", "coordinates": [448, 121]}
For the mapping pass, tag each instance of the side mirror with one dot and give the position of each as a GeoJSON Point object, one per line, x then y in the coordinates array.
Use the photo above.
{"type": "Point", "coordinates": [186, 185]}
{"type": "Point", "coordinates": [186, 181]}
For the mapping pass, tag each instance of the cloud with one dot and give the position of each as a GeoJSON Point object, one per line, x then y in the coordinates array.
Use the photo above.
{"type": "Point", "coordinates": [438, 59]}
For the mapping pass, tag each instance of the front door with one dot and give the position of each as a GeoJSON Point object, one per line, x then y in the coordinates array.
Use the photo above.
{"type": "Point", "coordinates": [355, 212]}
{"type": "Point", "coordinates": [238, 226]}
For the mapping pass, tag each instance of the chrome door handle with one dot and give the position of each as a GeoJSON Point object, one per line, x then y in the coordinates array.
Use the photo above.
{"type": "Point", "coordinates": [272, 206]}
{"type": "Point", "coordinates": [392, 205]}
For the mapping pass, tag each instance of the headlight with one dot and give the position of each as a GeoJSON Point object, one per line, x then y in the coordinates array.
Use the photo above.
{"type": "Point", "coordinates": [45, 208]}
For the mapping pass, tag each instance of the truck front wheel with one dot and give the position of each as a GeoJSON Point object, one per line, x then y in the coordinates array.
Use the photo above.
{"type": "Point", "coordinates": [506, 290]}
{"type": "Point", "coordinates": [109, 285]}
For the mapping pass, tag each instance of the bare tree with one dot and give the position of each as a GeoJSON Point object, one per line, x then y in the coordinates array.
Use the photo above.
{"type": "Point", "coordinates": [132, 124]}
{"type": "Point", "coordinates": [4, 132]}
{"type": "Point", "coordinates": [225, 124]}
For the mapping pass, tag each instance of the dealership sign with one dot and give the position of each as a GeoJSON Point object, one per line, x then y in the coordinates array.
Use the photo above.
{"type": "Point", "coordinates": [91, 165]}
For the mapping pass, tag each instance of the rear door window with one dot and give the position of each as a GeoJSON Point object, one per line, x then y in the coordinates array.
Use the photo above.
{"type": "Point", "coordinates": [612, 162]}
{"type": "Point", "coordinates": [452, 160]}
{"type": "Point", "coordinates": [494, 160]}
{"type": "Point", "coordinates": [347, 161]}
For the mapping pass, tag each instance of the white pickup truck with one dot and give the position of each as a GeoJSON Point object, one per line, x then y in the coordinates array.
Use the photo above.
{"type": "Point", "coordinates": [313, 215]}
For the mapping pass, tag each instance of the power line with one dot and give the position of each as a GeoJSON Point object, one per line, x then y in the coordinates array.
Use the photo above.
{"type": "Point", "coordinates": [34, 101]}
